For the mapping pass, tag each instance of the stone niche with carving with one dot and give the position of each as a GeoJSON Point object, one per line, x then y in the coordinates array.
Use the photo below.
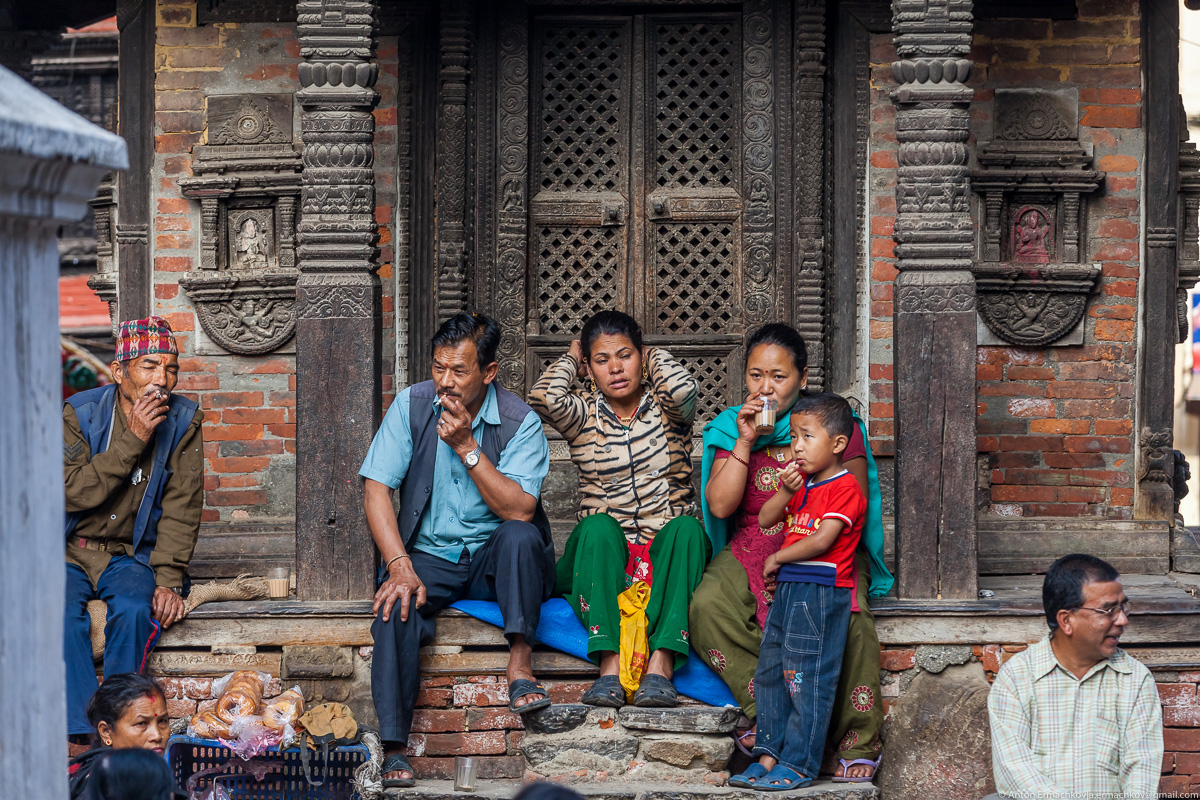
{"type": "Point", "coordinates": [247, 181]}
{"type": "Point", "coordinates": [1031, 280]}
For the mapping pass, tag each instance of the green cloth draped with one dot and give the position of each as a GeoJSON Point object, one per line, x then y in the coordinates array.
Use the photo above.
{"type": "Point", "coordinates": [721, 434]}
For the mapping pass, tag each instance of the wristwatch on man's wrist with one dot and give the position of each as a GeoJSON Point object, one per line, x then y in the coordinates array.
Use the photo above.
{"type": "Point", "coordinates": [472, 458]}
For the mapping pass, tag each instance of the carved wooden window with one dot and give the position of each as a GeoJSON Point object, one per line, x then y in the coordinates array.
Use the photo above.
{"type": "Point", "coordinates": [636, 168]}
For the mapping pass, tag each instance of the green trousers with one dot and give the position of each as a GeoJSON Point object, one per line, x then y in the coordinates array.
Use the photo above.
{"type": "Point", "coordinates": [591, 573]}
{"type": "Point", "coordinates": [726, 633]}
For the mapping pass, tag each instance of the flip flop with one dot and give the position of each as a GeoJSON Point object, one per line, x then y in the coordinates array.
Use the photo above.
{"type": "Point", "coordinates": [747, 779]}
{"type": "Point", "coordinates": [605, 691]}
{"type": "Point", "coordinates": [788, 779]}
{"type": "Point", "coordinates": [749, 732]}
{"type": "Point", "coordinates": [397, 762]}
{"type": "Point", "coordinates": [523, 687]}
{"type": "Point", "coordinates": [656, 692]}
{"type": "Point", "coordinates": [874, 765]}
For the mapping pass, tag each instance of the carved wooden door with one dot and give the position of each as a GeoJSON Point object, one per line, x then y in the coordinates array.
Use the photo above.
{"type": "Point", "coordinates": [651, 183]}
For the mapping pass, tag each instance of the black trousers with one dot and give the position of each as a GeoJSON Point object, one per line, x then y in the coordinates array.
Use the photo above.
{"type": "Point", "coordinates": [515, 568]}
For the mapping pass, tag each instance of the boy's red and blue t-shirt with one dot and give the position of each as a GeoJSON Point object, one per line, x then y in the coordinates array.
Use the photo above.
{"type": "Point", "coordinates": [839, 498]}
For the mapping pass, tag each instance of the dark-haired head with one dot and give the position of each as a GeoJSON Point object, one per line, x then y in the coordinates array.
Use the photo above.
{"type": "Point", "coordinates": [1062, 590]}
{"type": "Point", "coordinates": [612, 349]}
{"type": "Point", "coordinates": [545, 790]}
{"type": "Point", "coordinates": [609, 323]}
{"type": "Point", "coordinates": [776, 364]}
{"type": "Point", "coordinates": [831, 410]}
{"type": "Point", "coordinates": [130, 775]}
{"type": "Point", "coordinates": [129, 710]}
{"type": "Point", "coordinates": [481, 330]}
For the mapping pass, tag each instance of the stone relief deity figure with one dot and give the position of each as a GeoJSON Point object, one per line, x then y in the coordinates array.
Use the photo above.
{"type": "Point", "coordinates": [251, 246]}
{"type": "Point", "coordinates": [1029, 237]}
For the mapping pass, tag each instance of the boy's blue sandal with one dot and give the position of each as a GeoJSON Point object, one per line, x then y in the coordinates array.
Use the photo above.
{"type": "Point", "coordinates": [781, 779]}
{"type": "Point", "coordinates": [746, 780]}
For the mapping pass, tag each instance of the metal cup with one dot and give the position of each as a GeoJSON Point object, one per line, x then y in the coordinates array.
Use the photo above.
{"type": "Point", "coordinates": [464, 773]}
{"type": "Point", "coordinates": [765, 419]}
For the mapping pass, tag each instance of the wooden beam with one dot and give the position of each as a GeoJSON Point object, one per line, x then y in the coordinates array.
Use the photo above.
{"type": "Point", "coordinates": [135, 124]}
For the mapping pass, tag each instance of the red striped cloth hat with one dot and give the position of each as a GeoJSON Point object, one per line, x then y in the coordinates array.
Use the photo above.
{"type": "Point", "coordinates": [143, 337]}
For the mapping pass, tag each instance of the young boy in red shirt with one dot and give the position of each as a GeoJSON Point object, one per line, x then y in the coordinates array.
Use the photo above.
{"type": "Point", "coordinates": [805, 635]}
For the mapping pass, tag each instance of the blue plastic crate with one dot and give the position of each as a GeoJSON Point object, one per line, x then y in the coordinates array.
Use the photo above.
{"type": "Point", "coordinates": [188, 755]}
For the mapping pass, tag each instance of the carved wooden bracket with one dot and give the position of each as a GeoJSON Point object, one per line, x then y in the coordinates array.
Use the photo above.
{"type": "Point", "coordinates": [1188, 254]}
{"type": "Point", "coordinates": [247, 181]}
{"type": "Point", "coordinates": [1033, 288]}
{"type": "Point", "coordinates": [104, 212]}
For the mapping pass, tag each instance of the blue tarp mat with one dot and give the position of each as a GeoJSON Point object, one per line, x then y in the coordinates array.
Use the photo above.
{"type": "Point", "coordinates": [561, 629]}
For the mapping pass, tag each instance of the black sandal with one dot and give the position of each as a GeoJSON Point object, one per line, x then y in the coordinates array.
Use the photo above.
{"type": "Point", "coordinates": [605, 691]}
{"type": "Point", "coordinates": [523, 687]}
{"type": "Point", "coordinates": [397, 762]}
{"type": "Point", "coordinates": [656, 692]}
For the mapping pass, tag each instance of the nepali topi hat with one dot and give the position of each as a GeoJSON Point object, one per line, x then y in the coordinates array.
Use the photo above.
{"type": "Point", "coordinates": [144, 337]}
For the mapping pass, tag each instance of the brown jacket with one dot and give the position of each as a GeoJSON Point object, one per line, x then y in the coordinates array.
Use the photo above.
{"type": "Point", "coordinates": [104, 486]}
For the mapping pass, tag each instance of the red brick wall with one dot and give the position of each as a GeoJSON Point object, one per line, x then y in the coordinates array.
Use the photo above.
{"type": "Point", "coordinates": [1054, 423]}
{"type": "Point", "coordinates": [249, 402]}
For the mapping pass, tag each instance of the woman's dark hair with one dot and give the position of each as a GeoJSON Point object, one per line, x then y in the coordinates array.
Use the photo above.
{"type": "Point", "coordinates": [609, 323]}
{"type": "Point", "coordinates": [545, 790]}
{"type": "Point", "coordinates": [130, 774]}
{"type": "Point", "coordinates": [117, 694]}
{"type": "Point", "coordinates": [479, 328]}
{"type": "Point", "coordinates": [780, 335]}
{"type": "Point", "coordinates": [1063, 587]}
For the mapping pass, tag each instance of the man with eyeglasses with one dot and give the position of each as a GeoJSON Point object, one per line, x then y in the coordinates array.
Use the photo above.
{"type": "Point", "coordinates": [1075, 716]}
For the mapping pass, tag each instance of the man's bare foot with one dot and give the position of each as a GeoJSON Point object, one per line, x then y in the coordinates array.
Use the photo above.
{"type": "Point", "coordinates": [747, 738]}
{"type": "Point", "coordinates": [520, 667]}
{"type": "Point", "coordinates": [397, 774]}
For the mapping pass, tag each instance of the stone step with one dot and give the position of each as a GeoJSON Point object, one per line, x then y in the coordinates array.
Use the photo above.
{"type": "Point", "coordinates": [504, 790]}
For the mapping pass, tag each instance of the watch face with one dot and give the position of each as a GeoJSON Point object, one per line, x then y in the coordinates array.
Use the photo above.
{"type": "Point", "coordinates": [472, 458]}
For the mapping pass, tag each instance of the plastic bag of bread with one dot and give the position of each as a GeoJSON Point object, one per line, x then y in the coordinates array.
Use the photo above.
{"type": "Point", "coordinates": [284, 710]}
{"type": "Point", "coordinates": [248, 680]}
{"type": "Point", "coordinates": [207, 725]}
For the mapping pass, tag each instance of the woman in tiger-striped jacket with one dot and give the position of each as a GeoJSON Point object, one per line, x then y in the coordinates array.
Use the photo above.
{"type": "Point", "coordinates": [630, 434]}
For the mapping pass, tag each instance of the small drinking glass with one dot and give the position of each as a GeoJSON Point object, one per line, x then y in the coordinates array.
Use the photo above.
{"type": "Point", "coordinates": [464, 773]}
{"type": "Point", "coordinates": [279, 583]}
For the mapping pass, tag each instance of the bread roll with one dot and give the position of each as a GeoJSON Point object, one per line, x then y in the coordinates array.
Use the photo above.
{"type": "Point", "coordinates": [207, 725]}
{"type": "Point", "coordinates": [284, 710]}
{"type": "Point", "coordinates": [237, 703]}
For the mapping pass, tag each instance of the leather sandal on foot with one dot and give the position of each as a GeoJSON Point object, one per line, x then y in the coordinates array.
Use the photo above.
{"type": "Point", "coordinates": [781, 779]}
{"type": "Point", "coordinates": [397, 762]}
{"type": "Point", "coordinates": [522, 687]}
{"type": "Point", "coordinates": [656, 692]}
{"type": "Point", "coordinates": [605, 691]}
{"type": "Point", "coordinates": [750, 777]}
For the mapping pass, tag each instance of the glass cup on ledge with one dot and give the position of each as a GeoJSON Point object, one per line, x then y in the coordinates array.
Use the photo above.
{"type": "Point", "coordinates": [279, 583]}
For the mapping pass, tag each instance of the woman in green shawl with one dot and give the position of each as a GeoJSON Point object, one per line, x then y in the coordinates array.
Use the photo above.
{"type": "Point", "coordinates": [739, 472]}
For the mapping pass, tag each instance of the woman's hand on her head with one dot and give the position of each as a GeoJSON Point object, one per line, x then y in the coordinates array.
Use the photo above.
{"type": "Point", "coordinates": [747, 430]}
{"type": "Point", "coordinates": [576, 352]}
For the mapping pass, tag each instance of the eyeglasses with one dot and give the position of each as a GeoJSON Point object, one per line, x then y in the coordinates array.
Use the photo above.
{"type": "Point", "coordinates": [1110, 612]}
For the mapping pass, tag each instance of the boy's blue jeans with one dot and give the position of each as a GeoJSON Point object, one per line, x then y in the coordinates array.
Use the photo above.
{"type": "Point", "coordinates": [797, 673]}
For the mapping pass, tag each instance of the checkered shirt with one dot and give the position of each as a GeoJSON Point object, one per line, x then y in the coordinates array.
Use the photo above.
{"type": "Point", "coordinates": [1057, 736]}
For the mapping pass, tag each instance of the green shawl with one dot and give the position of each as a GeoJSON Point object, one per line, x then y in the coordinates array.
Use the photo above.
{"type": "Point", "coordinates": [722, 434]}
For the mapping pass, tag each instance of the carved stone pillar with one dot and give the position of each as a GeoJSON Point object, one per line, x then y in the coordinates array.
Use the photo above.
{"type": "Point", "coordinates": [451, 174]}
{"type": "Point", "coordinates": [135, 20]}
{"type": "Point", "coordinates": [934, 324]}
{"type": "Point", "coordinates": [338, 325]}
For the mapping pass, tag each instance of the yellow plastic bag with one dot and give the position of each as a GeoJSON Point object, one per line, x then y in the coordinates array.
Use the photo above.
{"type": "Point", "coordinates": [635, 643]}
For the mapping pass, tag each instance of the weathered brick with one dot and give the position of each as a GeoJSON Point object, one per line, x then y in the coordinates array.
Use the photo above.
{"type": "Point", "coordinates": [1177, 694]}
{"type": "Point", "coordinates": [1109, 96]}
{"type": "Point", "coordinates": [435, 698]}
{"type": "Point", "coordinates": [1051, 443]}
{"type": "Point", "coordinates": [1074, 460]}
{"type": "Point", "coordinates": [1018, 372]}
{"type": "Point", "coordinates": [1174, 786]}
{"type": "Point", "coordinates": [481, 694]}
{"type": "Point", "coordinates": [233, 400]}
{"type": "Point", "coordinates": [1115, 330]}
{"type": "Point", "coordinates": [243, 481]}
{"type": "Point", "coordinates": [247, 497]}
{"type": "Point", "coordinates": [197, 57]}
{"type": "Point", "coordinates": [172, 263]}
{"type": "Point", "coordinates": [1181, 739]}
{"type": "Point", "coordinates": [261, 416]}
{"type": "Point", "coordinates": [1114, 427]}
{"type": "Point", "coordinates": [1182, 716]}
{"type": "Point", "coordinates": [431, 721]}
{"type": "Point", "coordinates": [254, 447]}
{"type": "Point", "coordinates": [484, 743]}
{"type": "Point", "coordinates": [489, 768]}
{"type": "Point", "coordinates": [493, 719]}
{"type": "Point", "coordinates": [179, 121]}
{"type": "Point", "coordinates": [1120, 496]}
{"type": "Point", "coordinates": [1111, 117]}
{"type": "Point", "coordinates": [1104, 409]}
{"type": "Point", "coordinates": [271, 366]}
{"type": "Point", "coordinates": [175, 142]}
{"type": "Point", "coordinates": [990, 657]}
{"type": "Point", "coordinates": [1081, 390]}
{"type": "Point", "coordinates": [1118, 163]}
{"type": "Point", "coordinates": [898, 660]}
{"type": "Point", "coordinates": [1060, 426]}
{"type": "Point", "coordinates": [1117, 229]}
{"type": "Point", "coordinates": [174, 241]}
{"type": "Point", "coordinates": [1096, 444]}
{"type": "Point", "coordinates": [1029, 407]}
{"type": "Point", "coordinates": [233, 465]}
{"type": "Point", "coordinates": [220, 433]}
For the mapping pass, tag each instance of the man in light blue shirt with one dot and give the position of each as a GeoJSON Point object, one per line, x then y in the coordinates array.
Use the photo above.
{"type": "Point", "coordinates": [468, 458]}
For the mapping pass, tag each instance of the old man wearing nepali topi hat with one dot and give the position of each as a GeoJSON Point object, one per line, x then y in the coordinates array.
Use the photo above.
{"type": "Point", "coordinates": [133, 464]}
